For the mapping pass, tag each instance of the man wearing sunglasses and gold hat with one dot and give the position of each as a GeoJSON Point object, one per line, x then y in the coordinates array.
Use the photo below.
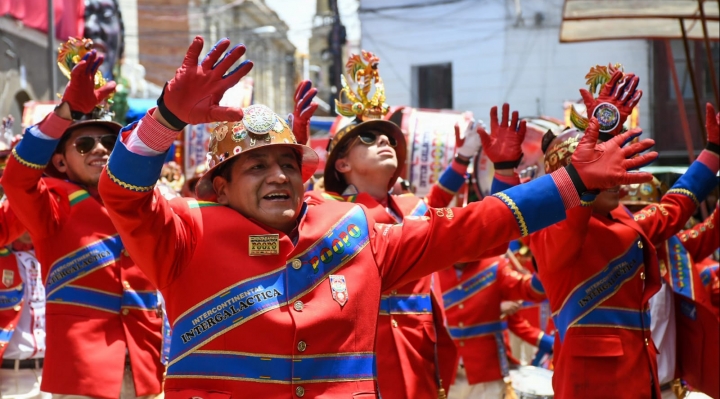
{"type": "Point", "coordinates": [267, 296]}
{"type": "Point", "coordinates": [416, 354]}
{"type": "Point", "coordinates": [103, 323]}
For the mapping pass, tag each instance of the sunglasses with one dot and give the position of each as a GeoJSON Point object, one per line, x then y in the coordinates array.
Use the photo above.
{"type": "Point", "coordinates": [85, 144]}
{"type": "Point", "coordinates": [369, 138]}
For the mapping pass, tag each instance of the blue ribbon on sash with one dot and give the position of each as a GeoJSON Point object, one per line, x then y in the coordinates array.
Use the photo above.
{"type": "Point", "coordinates": [86, 297]}
{"type": "Point", "coordinates": [406, 304]}
{"type": "Point", "coordinates": [614, 317]}
{"type": "Point", "coordinates": [680, 268]}
{"type": "Point", "coordinates": [598, 288]}
{"type": "Point", "coordinates": [11, 298]}
{"type": "Point", "coordinates": [470, 287]}
{"type": "Point", "coordinates": [143, 300]}
{"type": "Point", "coordinates": [81, 262]}
{"type": "Point", "coordinates": [477, 330]}
{"type": "Point", "coordinates": [420, 209]}
{"type": "Point", "coordinates": [502, 354]}
{"type": "Point", "coordinates": [252, 297]}
{"type": "Point", "coordinates": [275, 369]}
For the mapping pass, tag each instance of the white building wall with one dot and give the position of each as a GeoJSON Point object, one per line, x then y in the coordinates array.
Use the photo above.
{"type": "Point", "coordinates": [496, 57]}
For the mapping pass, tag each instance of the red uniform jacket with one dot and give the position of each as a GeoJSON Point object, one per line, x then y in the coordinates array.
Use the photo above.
{"type": "Point", "coordinates": [599, 273]}
{"type": "Point", "coordinates": [472, 305]}
{"type": "Point", "coordinates": [696, 319]}
{"type": "Point", "coordinates": [11, 285]}
{"type": "Point", "coordinates": [298, 319]}
{"type": "Point", "coordinates": [99, 304]}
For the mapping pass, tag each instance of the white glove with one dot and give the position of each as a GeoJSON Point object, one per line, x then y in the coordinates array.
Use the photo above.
{"type": "Point", "coordinates": [470, 143]}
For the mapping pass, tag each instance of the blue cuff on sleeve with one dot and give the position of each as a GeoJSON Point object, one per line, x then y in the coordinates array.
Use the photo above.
{"type": "Point", "coordinates": [498, 186]}
{"type": "Point", "coordinates": [451, 180]}
{"type": "Point", "coordinates": [33, 151]}
{"type": "Point", "coordinates": [536, 284]}
{"type": "Point", "coordinates": [696, 183]}
{"type": "Point", "coordinates": [132, 171]}
{"type": "Point", "coordinates": [535, 205]}
{"type": "Point", "coordinates": [546, 343]}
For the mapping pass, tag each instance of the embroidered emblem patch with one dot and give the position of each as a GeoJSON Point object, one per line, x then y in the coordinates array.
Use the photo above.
{"type": "Point", "coordinates": [608, 117]}
{"type": "Point", "coordinates": [266, 244]}
{"type": "Point", "coordinates": [8, 277]}
{"type": "Point", "coordinates": [339, 289]}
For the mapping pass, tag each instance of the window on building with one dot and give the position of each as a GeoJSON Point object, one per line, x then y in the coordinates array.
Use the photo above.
{"type": "Point", "coordinates": [432, 86]}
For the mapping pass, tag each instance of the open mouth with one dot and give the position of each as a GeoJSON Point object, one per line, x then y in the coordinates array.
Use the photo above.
{"type": "Point", "coordinates": [277, 197]}
{"type": "Point", "coordinates": [99, 163]}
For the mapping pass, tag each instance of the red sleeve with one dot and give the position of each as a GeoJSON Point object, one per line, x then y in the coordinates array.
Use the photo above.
{"type": "Point", "coordinates": [515, 286]}
{"type": "Point", "coordinates": [439, 196]}
{"type": "Point", "coordinates": [40, 207]}
{"type": "Point", "coordinates": [704, 239]}
{"type": "Point", "coordinates": [10, 226]}
{"type": "Point", "coordinates": [524, 330]}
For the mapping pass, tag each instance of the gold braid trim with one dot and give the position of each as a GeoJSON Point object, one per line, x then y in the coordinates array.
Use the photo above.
{"type": "Point", "coordinates": [516, 212]}
{"type": "Point", "coordinates": [686, 192]}
{"type": "Point", "coordinates": [128, 185]}
{"type": "Point", "coordinates": [27, 163]}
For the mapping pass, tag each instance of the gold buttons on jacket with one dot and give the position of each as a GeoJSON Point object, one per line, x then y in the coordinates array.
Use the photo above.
{"type": "Point", "coordinates": [647, 343]}
{"type": "Point", "coordinates": [126, 285]}
{"type": "Point", "coordinates": [642, 275]}
{"type": "Point", "coordinates": [461, 324]}
{"type": "Point", "coordinates": [300, 391]}
{"type": "Point", "coordinates": [16, 308]}
{"type": "Point", "coordinates": [640, 244]}
{"type": "Point", "coordinates": [393, 292]}
{"type": "Point", "coordinates": [298, 305]}
{"type": "Point", "coordinates": [461, 306]}
{"type": "Point", "coordinates": [126, 253]}
{"type": "Point", "coordinates": [302, 346]}
{"type": "Point", "coordinates": [462, 343]}
{"type": "Point", "coordinates": [125, 311]}
{"type": "Point", "coordinates": [296, 264]}
{"type": "Point", "coordinates": [394, 324]}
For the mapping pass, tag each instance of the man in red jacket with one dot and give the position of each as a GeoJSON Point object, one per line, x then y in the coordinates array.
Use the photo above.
{"type": "Point", "coordinates": [103, 324]}
{"type": "Point", "coordinates": [682, 311]}
{"type": "Point", "coordinates": [365, 158]}
{"type": "Point", "coordinates": [599, 266]}
{"type": "Point", "coordinates": [269, 297]}
{"type": "Point", "coordinates": [472, 294]}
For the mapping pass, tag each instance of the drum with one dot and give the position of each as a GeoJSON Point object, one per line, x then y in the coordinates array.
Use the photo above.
{"type": "Point", "coordinates": [532, 382]}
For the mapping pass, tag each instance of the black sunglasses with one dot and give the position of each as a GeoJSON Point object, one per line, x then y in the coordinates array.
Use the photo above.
{"type": "Point", "coordinates": [85, 144]}
{"type": "Point", "coordinates": [369, 138]}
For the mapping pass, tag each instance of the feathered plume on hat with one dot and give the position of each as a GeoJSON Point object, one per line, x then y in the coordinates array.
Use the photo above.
{"type": "Point", "coordinates": [362, 70]}
{"type": "Point", "coordinates": [598, 76]}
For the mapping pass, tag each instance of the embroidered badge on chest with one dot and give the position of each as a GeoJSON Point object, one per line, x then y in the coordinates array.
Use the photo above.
{"type": "Point", "coordinates": [339, 289]}
{"type": "Point", "coordinates": [266, 244]}
{"type": "Point", "coordinates": [9, 276]}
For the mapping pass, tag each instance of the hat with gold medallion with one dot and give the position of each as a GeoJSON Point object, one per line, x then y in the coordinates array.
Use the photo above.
{"type": "Point", "coordinates": [260, 127]}
{"type": "Point", "coordinates": [367, 113]}
{"type": "Point", "coordinates": [643, 194]}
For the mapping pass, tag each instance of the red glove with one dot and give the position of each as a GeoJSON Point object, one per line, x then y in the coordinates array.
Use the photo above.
{"type": "Point", "coordinates": [599, 166]}
{"type": "Point", "coordinates": [304, 109]}
{"type": "Point", "coordinates": [80, 93]}
{"type": "Point", "coordinates": [193, 95]}
{"type": "Point", "coordinates": [712, 124]}
{"type": "Point", "coordinates": [504, 146]}
{"type": "Point", "coordinates": [620, 94]}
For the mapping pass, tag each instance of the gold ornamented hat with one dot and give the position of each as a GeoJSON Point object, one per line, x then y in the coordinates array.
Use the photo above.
{"type": "Point", "coordinates": [260, 127]}
{"type": "Point", "coordinates": [643, 194]}
{"type": "Point", "coordinates": [367, 112]}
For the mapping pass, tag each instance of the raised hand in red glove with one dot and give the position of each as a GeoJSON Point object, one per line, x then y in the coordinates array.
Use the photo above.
{"type": "Point", "coordinates": [600, 166]}
{"type": "Point", "coordinates": [304, 109]}
{"type": "Point", "coordinates": [614, 103]}
{"type": "Point", "coordinates": [80, 93]}
{"type": "Point", "coordinates": [503, 147]}
{"type": "Point", "coordinates": [193, 95]}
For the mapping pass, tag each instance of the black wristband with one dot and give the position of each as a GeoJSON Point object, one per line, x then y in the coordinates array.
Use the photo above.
{"type": "Point", "coordinates": [173, 120]}
{"type": "Point", "coordinates": [713, 147]}
{"type": "Point", "coordinates": [576, 180]}
{"type": "Point", "coordinates": [461, 160]}
{"type": "Point", "coordinates": [508, 164]}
